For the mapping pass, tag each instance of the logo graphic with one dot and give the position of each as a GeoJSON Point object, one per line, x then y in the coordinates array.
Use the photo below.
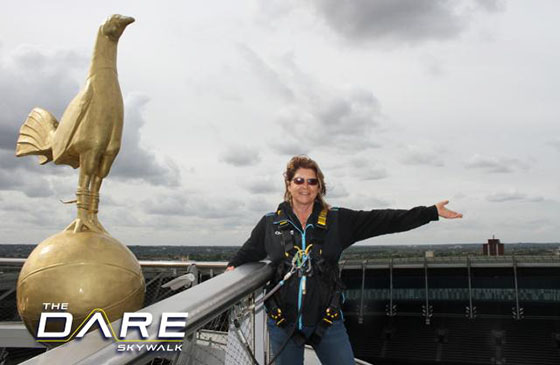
{"type": "Point", "coordinates": [136, 321]}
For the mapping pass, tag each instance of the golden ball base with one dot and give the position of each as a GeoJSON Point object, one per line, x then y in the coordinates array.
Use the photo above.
{"type": "Point", "coordinates": [87, 270]}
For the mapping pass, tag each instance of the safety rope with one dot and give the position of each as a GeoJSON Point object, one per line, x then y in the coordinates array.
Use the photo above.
{"type": "Point", "coordinates": [301, 263]}
{"type": "Point", "coordinates": [300, 258]}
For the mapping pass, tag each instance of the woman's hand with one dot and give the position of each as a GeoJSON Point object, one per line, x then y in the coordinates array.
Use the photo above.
{"type": "Point", "coordinates": [229, 268]}
{"type": "Point", "coordinates": [446, 213]}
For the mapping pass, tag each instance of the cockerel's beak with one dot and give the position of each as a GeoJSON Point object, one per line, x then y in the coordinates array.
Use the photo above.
{"type": "Point", "coordinates": [126, 20]}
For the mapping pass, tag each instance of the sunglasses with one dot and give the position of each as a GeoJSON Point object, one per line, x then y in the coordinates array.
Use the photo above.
{"type": "Point", "coordinates": [301, 180]}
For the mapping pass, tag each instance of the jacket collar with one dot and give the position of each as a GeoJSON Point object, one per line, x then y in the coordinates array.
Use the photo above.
{"type": "Point", "coordinates": [287, 210]}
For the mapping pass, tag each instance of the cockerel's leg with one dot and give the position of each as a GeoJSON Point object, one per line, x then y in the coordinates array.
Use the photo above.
{"type": "Point", "coordinates": [83, 195]}
{"type": "Point", "coordinates": [94, 203]}
{"type": "Point", "coordinates": [101, 173]}
{"type": "Point", "coordinates": [83, 198]}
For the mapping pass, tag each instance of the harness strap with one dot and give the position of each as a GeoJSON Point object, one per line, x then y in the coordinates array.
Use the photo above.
{"type": "Point", "coordinates": [287, 233]}
{"type": "Point", "coordinates": [287, 241]}
{"type": "Point", "coordinates": [332, 313]}
{"type": "Point", "coordinates": [321, 227]}
{"type": "Point", "coordinates": [322, 219]}
{"type": "Point", "coordinates": [300, 259]}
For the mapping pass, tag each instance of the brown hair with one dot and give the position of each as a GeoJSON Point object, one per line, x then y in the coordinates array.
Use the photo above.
{"type": "Point", "coordinates": [304, 162]}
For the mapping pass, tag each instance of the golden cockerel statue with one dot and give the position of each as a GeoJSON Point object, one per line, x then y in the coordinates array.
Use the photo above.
{"type": "Point", "coordinates": [89, 134]}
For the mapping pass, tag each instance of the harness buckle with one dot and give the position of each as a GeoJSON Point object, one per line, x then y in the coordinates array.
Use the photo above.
{"type": "Point", "coordinates": [331, 315]}
{"type": "Point", "coordinates": [277, 316]}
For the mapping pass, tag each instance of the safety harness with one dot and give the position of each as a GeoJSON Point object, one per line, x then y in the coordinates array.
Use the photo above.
{"type": "Point", "coordinates": [305, 261]}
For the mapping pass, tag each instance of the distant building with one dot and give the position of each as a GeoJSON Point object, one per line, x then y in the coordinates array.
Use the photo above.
{"type": "Point", "coordinates": [429, 254]}
{"type": "Point", "coordinates": [493, 247]}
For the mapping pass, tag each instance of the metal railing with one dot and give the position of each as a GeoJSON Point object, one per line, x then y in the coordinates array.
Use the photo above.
{"type": "Point", "coordinates": [453, 262]}
{"type": "Point", "coordinates": [207, 303]}
{"type": "Point", "coordinates": [156, 274]}
{"type": "Point", "coordinates": [210, 339]}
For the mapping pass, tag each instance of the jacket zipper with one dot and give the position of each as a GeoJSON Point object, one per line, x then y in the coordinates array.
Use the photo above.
{"type": "Point", "coordinates": [302, 281]}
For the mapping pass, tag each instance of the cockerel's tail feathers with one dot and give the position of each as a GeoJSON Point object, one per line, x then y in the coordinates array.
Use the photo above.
{"type": "Point", "coordinates": [35, 135]}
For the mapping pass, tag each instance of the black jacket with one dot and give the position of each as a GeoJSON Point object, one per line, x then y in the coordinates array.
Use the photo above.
{"type": "Point", "coordinates": [344, 228]}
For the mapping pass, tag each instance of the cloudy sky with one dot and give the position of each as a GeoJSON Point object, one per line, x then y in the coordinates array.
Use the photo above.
{"type": "Point", "coordinates": [402, 103]}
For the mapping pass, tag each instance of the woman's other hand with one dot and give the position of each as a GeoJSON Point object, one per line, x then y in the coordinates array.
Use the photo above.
{"type": "Point", "coordinates": [446, 213]}
{"type": "Point", "coordinates": [229, 268]}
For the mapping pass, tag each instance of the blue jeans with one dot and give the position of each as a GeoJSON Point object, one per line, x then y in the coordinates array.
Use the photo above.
{"type": "Point", "coordinates": [334, 347]}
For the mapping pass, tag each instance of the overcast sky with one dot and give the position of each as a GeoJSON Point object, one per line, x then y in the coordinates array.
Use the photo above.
{"type": "Point", "coordinates": [401, 102]}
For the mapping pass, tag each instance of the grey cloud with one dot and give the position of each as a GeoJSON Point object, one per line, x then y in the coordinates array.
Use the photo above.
{"type": "Point", "coordinates": [315, 116]}
{"type": "Point", "coordinates": [167, 205]}
{"type": "Point", "coordinates": [261, 205]}
{"type": "Point", "coordinates": [219, 208]}
{"type": "Point", "coordinates": [491, 5]}
{"type": "Point", "coordinates": [9, 161]}
{"type": "Point", "coordinates": [495, 165]}
{"type": "Point", "coordinates": [433, 66]}
{"type": "Point", "coordinates": [346, 122]}
{"type": "Point", "coordinates": [240, 156]}
{"type": "Point", "coordinates": [512, 195]}
{"type": "Point", "coordinates": [217, 211]}
{"type": "Point", "coordinates": [189, 204]}
{"type": "Point", "coordinates": [23, 175]}
{"type": "Point", "coordinates": [422, 155]}
{"type": "Point", "coordinates": [32, 77]}
{"type": "Point", "coordinates": [289, 146]}
{"type": "Point", "coordinates": [123, 217]}
{"type": "Point", "coordinates": [30, 164]}
{"type": "Point", "coordinates": [459, 195]}
{"type": "Point", "coordinates": [555, 143]}
{"type": "Point", "coordinates": [337, 191]}
{"type": "Point", "coordinates": [262, 185]}
{"type": "Point", "coordinates": [366, 202]}
{"type": "Point", "coordinates": [34, 216]}
{"type": "Point", "coordinates": [266, 74]}
{"type": "Point", "coordinates": [31, 185]}
{"type": "Point", "coordinates": [64, 185]}
{"type": "Point", "coordinates": [45, 217]}
{"type": "Point", "coordinates": [368, 170]}
{"type": "Point", "coordinates": [348, 118]}
{"type": "Point", "coordinates": [274, 9]}
{"type": "Point", "coordinates": [8, 135]}
{"type": "Point", "coordinates": [409, 21]}
{"type": "Point", "coordinates": [21, 215]}
{"type": "Point", "coordinates": [374, 174]}
{"type": "Point", "coordinates": [135, 161]}
{"type": "Point", "coordinates": [506, 196]}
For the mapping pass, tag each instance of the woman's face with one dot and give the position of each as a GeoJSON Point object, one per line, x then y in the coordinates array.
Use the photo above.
{"type": "Point", "coordinates": [304, 193]}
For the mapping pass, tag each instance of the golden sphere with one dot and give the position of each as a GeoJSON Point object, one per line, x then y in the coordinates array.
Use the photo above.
{"type": "Point", "coordinates": [87, 270]}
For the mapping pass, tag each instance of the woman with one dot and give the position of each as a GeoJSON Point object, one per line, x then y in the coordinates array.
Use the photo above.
{"type": "Point", "coordinates": [304, 239]}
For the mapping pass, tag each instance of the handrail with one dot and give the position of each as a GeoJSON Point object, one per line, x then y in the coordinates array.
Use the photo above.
{"type": "Point", "coordinates": [454, 262]}
{"type": "Point", "coordinates": [379, 263]}
{"type": "Point", "coordinates": [12, 261]}
{"type": "Point", "coordinates": [202, 302]}
{"type": "Point", "coordinates": [9, 261]}
{"type": "Point", "coordinates": [401, 263]}
{"type": "Point", "coordinates": [201, 265]}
